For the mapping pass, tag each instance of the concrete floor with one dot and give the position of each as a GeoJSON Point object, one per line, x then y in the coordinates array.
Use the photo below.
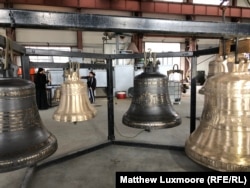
{"type": "Point", "coordinates": [97, 168]}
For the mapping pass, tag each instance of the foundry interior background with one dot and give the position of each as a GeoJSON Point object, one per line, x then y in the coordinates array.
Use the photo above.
{"type": "Point", "coordinates": [117, 57]}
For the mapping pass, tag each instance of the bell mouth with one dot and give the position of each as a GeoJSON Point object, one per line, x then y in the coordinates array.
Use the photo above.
{"type": "Point", "coordinates": [24, 140]}
{"type": "Point", "coordinates": [151, 124]}
{"type": "Point", "coordinates": [63, 117]}
{"type": "Point", "coordinates": [25, 147]}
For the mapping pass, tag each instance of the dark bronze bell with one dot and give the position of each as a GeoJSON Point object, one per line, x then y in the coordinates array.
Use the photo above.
{"type": "Point", "coordinates": [24, 140]}
{"type": "Point", "coordinates": [222, 140]}
{"type": "Point", "coordinates": [151, 107]}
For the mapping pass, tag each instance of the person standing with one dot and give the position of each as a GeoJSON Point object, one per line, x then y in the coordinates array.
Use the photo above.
{"type": "Point", "coordinates": [91, 83]}
{"type": "Point", "coordinates": [40, 85]}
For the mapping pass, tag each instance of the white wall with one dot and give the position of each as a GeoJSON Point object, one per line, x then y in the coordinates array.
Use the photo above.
{"type": "Point", "coordinates": [243, 3]}
{"type": "Point", "coordinates": [46, 37]}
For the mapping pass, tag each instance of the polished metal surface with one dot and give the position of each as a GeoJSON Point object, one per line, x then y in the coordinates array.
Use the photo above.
{"type": "Point", "coordinates": [213, 68]}
{"type": "Point", "coordinates": [57, 95]}
{"type": "Point", "coordinates": [74, 105]}
{"type": "Point", "coordinates": [151, 107]}
{"type": "Point", "coordinates": [24, 140]}
{"type": "Point", "coordinates": [222, 140]}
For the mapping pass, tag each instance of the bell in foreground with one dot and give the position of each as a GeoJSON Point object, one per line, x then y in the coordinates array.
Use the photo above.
{"type": "Point", "coordinates": [151, 107]}
{"type": "Point", "coordinates": [222, 140]}
{"type": "Point", "coordinates": [24, 140]}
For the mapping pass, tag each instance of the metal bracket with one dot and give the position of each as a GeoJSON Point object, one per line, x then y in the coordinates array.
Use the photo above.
{"type": "Point", "coordinates": [12, 19]}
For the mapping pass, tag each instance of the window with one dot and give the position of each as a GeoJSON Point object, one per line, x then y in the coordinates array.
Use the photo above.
{"type": "Point", "coordinates": [54, 59]}
{"type": "Point", "coordinates": [176, 1]}
{"type": "Point", "coordinates": [165, 47]}
{"type": "Point", "coordinates": [210, 2]}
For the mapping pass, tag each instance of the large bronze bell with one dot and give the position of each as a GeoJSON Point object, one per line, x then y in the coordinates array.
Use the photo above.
{"type": "Point", "coordinates": [74, 103]}
{"type": "Point", "coordinates": [151, 107]}
{"type": "Point", "coordinates": [222, 140]}
{"type": "Point", "coordinates": [23, 138]}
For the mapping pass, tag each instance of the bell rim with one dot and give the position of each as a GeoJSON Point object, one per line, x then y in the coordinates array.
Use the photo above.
{"type": "Point", "coordinates": [213, 164]}
{"type": "Point", "coordinates": [151, 124]}
{"type": "Point", "coordinates": [72, 118]}
{"type": "Point", "coordinates": [31, 159]}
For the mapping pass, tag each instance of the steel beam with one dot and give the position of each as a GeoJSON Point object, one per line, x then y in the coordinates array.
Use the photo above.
{"type": "Point", "coordinates": [91, 22]}
{"type": "Point", "coordinates": [71, 155]}
{"type": "Point", "coordinates": [148, 145]}
{"type": "Point", "coordinates": [111, 130]}
{"type": "Point", "coordinates": [39, 52]}
{"type": "Point", "coordinates": [66, 65]}
{"type": "Point", "coordinates": [193, 94]}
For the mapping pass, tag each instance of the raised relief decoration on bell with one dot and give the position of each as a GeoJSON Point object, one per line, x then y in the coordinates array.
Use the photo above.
{"type": "Point", "coordinates": [149, 99]}
{"type": "Point", "coordinates": [24, 139]}
{"type": "Point", "coordinates": [151, 107]}
{"type": "Point", "coordinates": [221, 141]}
{"type": "Point", "coordinates": [214, 67]}
{"type": "Point", "coordinates": [22, 92]}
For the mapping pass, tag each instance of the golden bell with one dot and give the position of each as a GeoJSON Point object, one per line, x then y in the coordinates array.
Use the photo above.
{"type": "Point", "coordinates": [24, 139]}
{"type": "Point", "coordinates": [213, 68]}
{"type": "Point", "coordinates": [222, 140]}
{"type": "Point", "coordinates": [74, 103]}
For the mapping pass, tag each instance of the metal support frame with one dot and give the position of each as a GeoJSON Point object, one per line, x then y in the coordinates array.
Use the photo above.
{"type": "Point", "coordinates": [76, 21]}
{"type": "Point", "coordinates": [111, 131]}
{"type": "Point", "coordinates": [79, 21]}
{"type": "Point", "coordinates": [110, 105]}
{"type": "Point", "coordinates": [193, 94]}
{"type": "Point", "coordinates": [25, 67]}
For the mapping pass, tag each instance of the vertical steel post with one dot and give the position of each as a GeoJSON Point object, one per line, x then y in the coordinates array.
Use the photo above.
{"type": "Point", "coordinates": [236, 50]}
{"type": "Point", "coordinates": [111, 134]}
{"type": "Point", "coordinates": [25, 67]}
{"type": "Point", "coordinates": [28, 176]}
{"type": "Point", "coordinates": [193, 94]}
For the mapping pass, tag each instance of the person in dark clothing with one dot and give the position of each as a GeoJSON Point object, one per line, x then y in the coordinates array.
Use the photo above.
{"type": "Point", "coordinates": [91, 83]}
{"type": "Point", "coordinates": [41, 94]}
